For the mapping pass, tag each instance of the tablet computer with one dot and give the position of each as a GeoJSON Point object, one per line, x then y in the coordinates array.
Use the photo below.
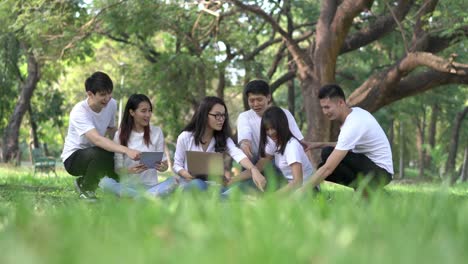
{"type": "Point", "coordinates": [151, 158]}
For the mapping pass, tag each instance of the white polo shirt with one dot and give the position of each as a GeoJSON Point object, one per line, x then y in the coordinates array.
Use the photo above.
{"type": "Point", "coordinates": [84, 119]}
{"type": "Point", "coordinates": [361, 133]}
{"type": "Point", "coordinates": [294, 152]}
{"type": "Point", "coordinates": [248, 127]}
{"type": "Point", "coordinates": [186, 141]}
{"type": "Point", "coordinates": [136, 141]}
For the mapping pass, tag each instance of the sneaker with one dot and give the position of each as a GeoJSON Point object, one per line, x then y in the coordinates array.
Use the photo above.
{"type": "Point", "coordinates": [84, 194]}
{"type": "Point", "coordinates": [88, 195]}
{"type": "Point", "coordinates": [317, 189]}
{"type": "Point", "coordinates": [77, 184]}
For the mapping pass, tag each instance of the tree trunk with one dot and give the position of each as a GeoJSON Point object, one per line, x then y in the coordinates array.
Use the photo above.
{"type": "Point", "coordinates": [420, 129]}
{"type": "Point", "coordinates": [319, 125]}
{"type": "Point", "coordinates": [391, 133]}
{"type": "Point", "coordinates": [221, 82]}
{"type": "Point", "coordinates": [291, 96]}
{"type": "Point", "coordinates": [432, 134]}
{"type": "Point", "coordinates": [464, 170]}
{"type": "Point", "coordinates": [291, 66]}
{"type": "Point", "coordinates": [33, 130]}
{"type": "Point", "coordinates": [201, 81]}
{"type": "Point", "coordinates": [452, 154]}
{"type": "Point", "coordinates": [401, 165]}
{"type": "Point", "coordinates": [10, 138]}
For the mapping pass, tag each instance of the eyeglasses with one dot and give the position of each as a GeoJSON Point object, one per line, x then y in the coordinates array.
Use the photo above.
{"type": "Point", "coordinates": [218, 116]}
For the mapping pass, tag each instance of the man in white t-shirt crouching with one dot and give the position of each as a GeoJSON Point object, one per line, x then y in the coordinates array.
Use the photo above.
{"type": "Point", "coordinates": [362, 148]}
{"type": "Point", "coordinates": [87, 153]}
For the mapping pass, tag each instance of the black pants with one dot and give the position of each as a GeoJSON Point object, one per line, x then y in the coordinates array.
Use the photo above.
{"type": "Point", "coordinates": [92, 164]}
{"type": "Point", "coordinates": [355, 167]}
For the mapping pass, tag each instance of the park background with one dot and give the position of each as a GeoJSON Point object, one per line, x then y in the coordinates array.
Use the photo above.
{"type": "Point", "coordinates": [406, 61]}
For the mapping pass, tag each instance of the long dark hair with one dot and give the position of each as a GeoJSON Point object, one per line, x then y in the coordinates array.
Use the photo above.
{"type": "Point", "coordinates": [274, 117]}
{"type": "Point", "coordinates": [200, 119]}
{"type": "Point", "coordinates": [127, 124]}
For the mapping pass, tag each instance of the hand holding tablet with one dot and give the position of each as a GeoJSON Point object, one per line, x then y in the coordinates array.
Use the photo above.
{"type": "Point", "coordinates": [149, 159]}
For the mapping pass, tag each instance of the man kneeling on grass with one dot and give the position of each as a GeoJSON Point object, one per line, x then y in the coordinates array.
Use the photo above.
{"type": "Point", "coordinates": [362, 148]}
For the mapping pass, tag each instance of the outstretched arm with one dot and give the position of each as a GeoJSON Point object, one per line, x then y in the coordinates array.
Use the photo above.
{"type": "Point", "coordinates": [307, 145]}
{"type": "Point", "coordinates": [296, 182]}
{"type": "Point", "coordinates": [109, 145]}
{"type": "Point", "coordinates": [255, 174]}
{"type": "Point", "coordinates": [330, 165]}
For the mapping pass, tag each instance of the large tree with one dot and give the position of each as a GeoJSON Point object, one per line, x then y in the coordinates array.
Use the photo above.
{"type": "Point", "coordinates": [357, 26]}
{"type": "Point", "coordinates": [44, 31]}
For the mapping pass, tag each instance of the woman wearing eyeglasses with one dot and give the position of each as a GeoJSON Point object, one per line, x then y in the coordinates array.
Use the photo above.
{"type": "Point", "coordinates": [209, 131]}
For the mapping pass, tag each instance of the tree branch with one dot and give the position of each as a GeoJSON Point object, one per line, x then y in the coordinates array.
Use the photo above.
{"type": "Point", "coordinates": [278, 57]}
{"type": "Point", "coordinates": [421, 82]}
{"type": "Point", "coordinates": [381, 27]}
{"type": "Point", "coordinates": [292, 45]}
{"type": "Point", "coordinates": [284, 78]}
{"type": "Point", "coordinates": [260, 48]}
{"type": "Point", "coordinates": [379, 90]}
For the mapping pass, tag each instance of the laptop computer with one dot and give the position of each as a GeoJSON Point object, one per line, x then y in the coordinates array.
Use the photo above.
{"type": "Point", "coordinates": [206, 165]}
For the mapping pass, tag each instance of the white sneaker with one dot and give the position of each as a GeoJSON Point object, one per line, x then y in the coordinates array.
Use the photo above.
{"type": "Point", "coordinates": [84, 194]}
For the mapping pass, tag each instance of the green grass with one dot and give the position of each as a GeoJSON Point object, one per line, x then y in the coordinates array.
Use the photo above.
{"type": "Point", "coordinates": [42, 221]}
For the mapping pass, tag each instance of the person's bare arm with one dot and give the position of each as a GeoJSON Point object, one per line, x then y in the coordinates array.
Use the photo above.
{"type": "Point", "coordinates": [257, 177]}
{"type": "Point", "coordinates": [330, 165]}
{"type": "Point", "coordinates": [307, 145]}
{"type": "Point", "coordinates": [186, 175]}
{"type": "Point", "coordinates": [296, 182]}
{"type": "Point", "coordinates": [110, 145]}
{"type": "Point", "coordinates": [246, 146]}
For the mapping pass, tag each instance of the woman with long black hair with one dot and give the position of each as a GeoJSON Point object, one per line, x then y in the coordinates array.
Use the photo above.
{"type": "Point", "coordinates": [136, 132]}
{"type": "Point", "coordinates": [209, 131]}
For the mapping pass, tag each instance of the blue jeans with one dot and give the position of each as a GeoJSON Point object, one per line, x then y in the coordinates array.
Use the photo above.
{"type": "Point", "coordinates": [195, 184]}
{"type": "Point", "coordinates": [123, 190]}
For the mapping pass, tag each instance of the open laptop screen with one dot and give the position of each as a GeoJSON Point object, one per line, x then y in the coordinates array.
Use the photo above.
{"type": "Point", "coordinates": [204, 165]}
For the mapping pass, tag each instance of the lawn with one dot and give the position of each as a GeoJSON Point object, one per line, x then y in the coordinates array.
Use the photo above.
{"type": "Point", "coordinates": [42, 221]}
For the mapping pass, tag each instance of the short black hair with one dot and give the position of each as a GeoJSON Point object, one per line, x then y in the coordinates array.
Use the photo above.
{"type": "Point", "coordinates": [331, 91]}
{"type": "Point", "coordinates": [257, 87]}
{"type": "Point", "coordinates": [99, 82]}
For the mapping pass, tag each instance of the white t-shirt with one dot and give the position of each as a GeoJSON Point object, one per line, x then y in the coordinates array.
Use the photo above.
{"type": "Point", "coordinates": [186, 141]}
{"type": "Point", "coordinates": [84, 119]}
{"type": "Point", "coordinates": [294, 152]}
{"type": "Point", "coordinates": [248, 127]}
{"type": "Point", "coordinates": [361, 133]}
{"type": "Point", "coordinates": [136, 141]}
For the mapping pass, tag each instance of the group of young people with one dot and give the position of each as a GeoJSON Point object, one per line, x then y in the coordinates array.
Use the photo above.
{"type": "Point", "coordinates": [265, 135]}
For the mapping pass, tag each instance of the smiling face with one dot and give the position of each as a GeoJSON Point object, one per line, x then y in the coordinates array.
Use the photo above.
{"type": "Point", "coordinates": [99, 100]}
{"type": "Point", "coordinates": [141, 115]}
{"type": "Point", "coordinates": [333, 108]}
{"type": "Point", "coordinates": [258, 102]}
{"type": "Point", "coordinates": [216, 117]}
{"type": "Point", "coordinates": [272, 133]}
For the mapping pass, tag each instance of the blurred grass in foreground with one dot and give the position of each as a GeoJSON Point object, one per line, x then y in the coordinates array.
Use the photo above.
{"type": "Point", "coordinates": [42, 221]}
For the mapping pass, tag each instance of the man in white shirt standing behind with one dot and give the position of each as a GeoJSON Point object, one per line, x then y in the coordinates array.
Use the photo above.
{"type": "Point", "coordinates": [258, 97]}
{"type": "Point", "coordinates": [87, 153]}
